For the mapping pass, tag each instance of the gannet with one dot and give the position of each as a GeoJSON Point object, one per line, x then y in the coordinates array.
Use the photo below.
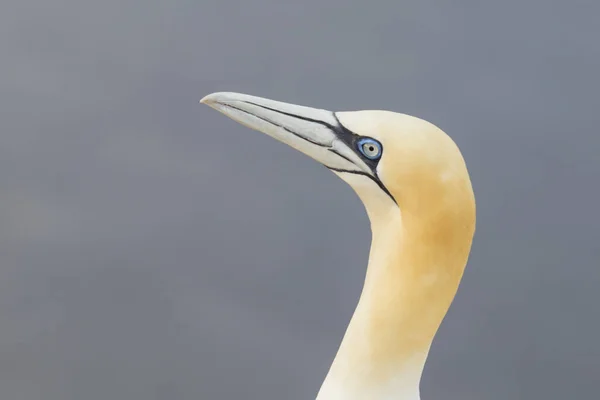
{"type": "Point", "coordinates": [415, 187]}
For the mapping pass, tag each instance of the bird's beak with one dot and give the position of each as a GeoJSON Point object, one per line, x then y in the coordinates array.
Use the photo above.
{"type": "Point", "coordinates": [314, 132]}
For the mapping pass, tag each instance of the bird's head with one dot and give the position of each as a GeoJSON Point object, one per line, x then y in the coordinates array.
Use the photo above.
{"type": "Point", "coordinates": [414, 184]}
{"type": "Point", "coordinates": [396, 163]}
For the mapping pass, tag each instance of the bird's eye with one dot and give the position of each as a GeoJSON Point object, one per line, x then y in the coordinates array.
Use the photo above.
{"type": "Point", "coordinates": [370, 148]}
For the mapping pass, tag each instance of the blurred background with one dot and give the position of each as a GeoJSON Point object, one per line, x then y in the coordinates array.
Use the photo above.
{"type": "Point", "coordinates": [150, 248]}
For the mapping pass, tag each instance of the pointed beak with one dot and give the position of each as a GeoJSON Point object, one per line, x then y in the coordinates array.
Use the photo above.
{"type": "Point", "coordinates": [314, 132]}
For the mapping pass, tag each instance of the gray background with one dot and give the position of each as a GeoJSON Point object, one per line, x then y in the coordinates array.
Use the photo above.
{"type": "Point", "coordinates": [153, 249]}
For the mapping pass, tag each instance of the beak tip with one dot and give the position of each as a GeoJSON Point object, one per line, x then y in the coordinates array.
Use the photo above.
{"type": "Point", "coordinates": [207, 99]}
{"type": "Point", "coordinates": [219, 97]}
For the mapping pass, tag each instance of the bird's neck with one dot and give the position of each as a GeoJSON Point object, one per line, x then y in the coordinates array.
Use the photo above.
{"type": "Point", "coordinates": [410, 282]}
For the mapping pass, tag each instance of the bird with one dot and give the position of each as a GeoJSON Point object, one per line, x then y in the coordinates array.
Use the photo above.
{"type": "Point", "coordinates": [415, 187]}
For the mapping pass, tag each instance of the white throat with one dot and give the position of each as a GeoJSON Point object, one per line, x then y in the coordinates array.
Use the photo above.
{"type": "Point", "coordinates": [360, 371]}
{"type": "Point", "coordinates": [350, 385]}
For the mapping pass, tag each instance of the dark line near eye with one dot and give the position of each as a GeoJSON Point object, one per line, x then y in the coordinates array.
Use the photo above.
{"type": "Point", "coordinates": [340, 124]}
{"type": "Point", "coordinates": [292, 132]}
{"type": "Point", "coordinates": [337, 129]}
{"type": "Point", "coordinates": [374, 179]}
{"type": "Point", "coordinates": [341, 155]}
{"type": "Point", "coordinates": [340, 130]}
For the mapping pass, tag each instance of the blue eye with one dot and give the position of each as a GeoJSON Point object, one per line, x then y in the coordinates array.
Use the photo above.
{"type": "Point", "coordinates": [370, 148]}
